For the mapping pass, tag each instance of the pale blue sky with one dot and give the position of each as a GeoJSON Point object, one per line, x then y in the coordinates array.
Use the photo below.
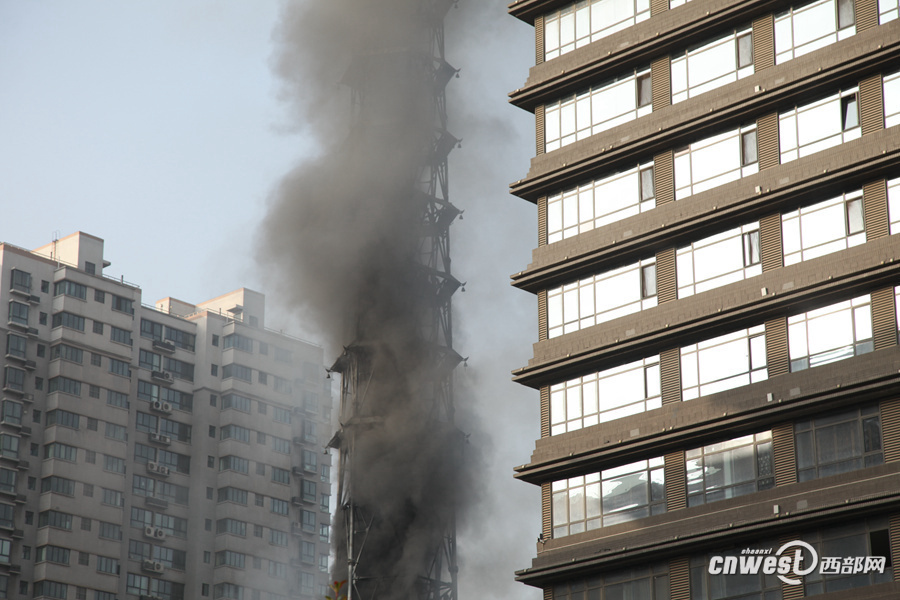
{"type": "Point", "coordinates": [156, 126]}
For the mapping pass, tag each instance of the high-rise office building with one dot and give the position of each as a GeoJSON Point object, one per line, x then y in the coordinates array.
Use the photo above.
{"type": "Point", "coordinates": [717, 185]}
{"type": "Point", "coordinates": [172, 451]}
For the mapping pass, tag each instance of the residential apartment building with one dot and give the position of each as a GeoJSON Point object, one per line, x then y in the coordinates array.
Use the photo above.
{"type": "Point", "coordinates": [717, 185]}
{"type": "Point", "coordinates": [173, 451]}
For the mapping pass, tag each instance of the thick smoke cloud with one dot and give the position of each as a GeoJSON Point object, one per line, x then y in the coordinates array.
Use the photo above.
{"type": "Point", "coordinates": [341, 237]}
{"type": "Point", "coordinates": [346, 229]}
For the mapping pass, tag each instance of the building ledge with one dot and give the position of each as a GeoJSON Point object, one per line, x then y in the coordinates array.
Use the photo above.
{"type": "Point", "coordinates": [637, 45]}
{"type": "Point", "coordinates": [782, 188]}
{"type": "Point", "coordinates": [748, 409]}
{"type": "Point", "coordinates": [753, 519]}
{"type": "Point", "coordinates": [780, 292]}
{"type": "Point", "coordinates": [805, 78]}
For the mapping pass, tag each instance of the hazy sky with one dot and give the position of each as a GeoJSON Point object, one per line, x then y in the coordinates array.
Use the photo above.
{"type": "Point", "coordinates": [157, 127]}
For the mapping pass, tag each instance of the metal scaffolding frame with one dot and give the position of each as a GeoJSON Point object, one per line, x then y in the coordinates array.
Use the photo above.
{"type": "Point", "coordinates": [360, 414]}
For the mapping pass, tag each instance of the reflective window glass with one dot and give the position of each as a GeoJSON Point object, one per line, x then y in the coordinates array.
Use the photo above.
{"type": "Point", "coordinates": [625, 493]}
{"type": "Point", "coordinates": [830, 334]}
{"type": "Point", "coordinates": [650, 582]}
{"type": "Point", "coordinates": [888, 10]}
{"type": "Point", "coordinates": [596, 109]}
{"type": "Point", "coordinates": [818, 125]}
{"type": "Point", "coordinates": [580, 23]}
{"type": "Point", "coordinates": [730, 469]}
{"type": "Point", "coordinates": [802, 29]}
{"type": "Point", "coordinates": [838, 442]}
{"type": "Point", "coordinates": [711, 65]}
{"type": "Point", "coordinates": [892, 99]}
{"type": "Point", "coordinates": [846, 541]}
{"type": "Point", "coordinates": [600, 202]}
{"type": "Point", "coordinates": [604, 396]}
{"type": "Point", "coordinates": [893, 193]}
{"type": "Point", "coordinates": [712, 162]}
{"type": "Point", "coordinates": [718, 260]}
{"type": "Point", "coordinates": [723, 363]}
{"type": "Point", "coordinates": [599, 298]}
{"type": "Point", "coordinates": [828, 226]}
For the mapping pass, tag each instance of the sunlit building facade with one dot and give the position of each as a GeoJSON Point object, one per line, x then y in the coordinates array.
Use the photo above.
{"type": "Point", "coordinates": [169, 451]}
{"type": "Point", "coordinates": [717, 185]}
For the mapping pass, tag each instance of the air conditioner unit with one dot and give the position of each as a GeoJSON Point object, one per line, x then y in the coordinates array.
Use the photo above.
{"type": "Point", "coordinates": [160, 406]}
{"type": "Point", "coordinates": [155, 436]}
{"type": "Point", "coordinates": [152, 467]}
{"type": "Point", "coordinates": [149, 530]}
{"type": "Point", "coordinates": [159, 534]}
{"type": "Point", "coordinates": [154, 566]}
{"type": "Point", "coordinates": [162, 470]}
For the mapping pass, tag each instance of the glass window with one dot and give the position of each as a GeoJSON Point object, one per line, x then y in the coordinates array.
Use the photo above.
{"type": "Point", "coordinates": [600, 202]}
{"type": "Point", "coordinates": [712, 64]}
{"type": "Point", "coordinates": [122, 304]}
{"type": "Point", "coordinates": [12, 412]}
{"type": "Point", "coordinates": [239, 342]}
{"type": "Point", "coordinates": [600, 298]}
{"type": "Point", "coordinates": [718, 260]}
{"type": "Point", "coordinates": [808, 27]}
{"type": "Point", "coordinates": [723, 363]}
{"type": "Point", "coordinates": [14, 379]}
{"type": "Point", "coordinates": [580, 23]}
{"type": "Point", "coordinates": [838, 443]}
{"type": "Point", "coordinates": [15, 345]}
{"type": "Point", "coordinates": [70, 288]}
{"type": "Point", "coordinates": [829, 226]}
{"type": "Point", "coordinates": [818, 125]}
{"type": "Point", "coordinates": [9, 446]}
{"type": "Point", "coordinates": [237, 402]}
{"type": "Point", "coordinates": [831, 333]}
{"type": "Point", "coordinates": [119, 367]}
{"type": "Point", "coordinates": [604, 396]}
{"type": "Point", "coordinates": [69, 320]}
{"type": "Point", "coordinates": [596, 109]}
{"type": "Point", "coordinates": [616, 495]}
{"type": "Point", "coordinates": [730, 469]}
{"type": "Point", "coordinates": [888, 10]}
{"type": "Point", "coordinates": [122, 336]}
{"type": "Point", "coordinates": [891, 98]}
{"type": "Point", "coordinates": [7, 485]}
{"type": "Point", "coordinates": [714, 161]}
{"type": "Point", "coordinates": [860, 538]}
{"type": "Point", "coordinates": [20, 280]}
{"type": "Point", "coordinates": [649, 582]}
{"type": "Point", "coordinates": [18, 313]}
{"type": "Point", "coordinates": [893, 192]}
{"type": "Point", "coordinates": [733, 586]}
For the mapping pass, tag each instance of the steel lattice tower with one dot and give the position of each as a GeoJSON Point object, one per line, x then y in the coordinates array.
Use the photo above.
{"type": "Point", "coordinates": [364, 534]}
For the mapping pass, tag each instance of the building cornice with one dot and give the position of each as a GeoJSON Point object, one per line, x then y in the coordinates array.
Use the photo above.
{"type": "Point", "coordinates": [780, 292]}
{"type": "Point", "coordinates": [748, 520]}
{"type": "Point", "coordinates": [724, 415]}
{"type": "Point", "coordinates": [825, 71]}
{"type": "Point", "coordinates": [781, 188]}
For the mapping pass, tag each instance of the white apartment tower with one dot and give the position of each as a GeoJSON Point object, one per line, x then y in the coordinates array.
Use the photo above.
{"type": "Point", "coordinates": [168, 452]}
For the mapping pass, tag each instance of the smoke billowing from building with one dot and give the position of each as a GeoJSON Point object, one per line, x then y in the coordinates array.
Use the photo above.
{"type": "Point", "coordinates": [353, 235]}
